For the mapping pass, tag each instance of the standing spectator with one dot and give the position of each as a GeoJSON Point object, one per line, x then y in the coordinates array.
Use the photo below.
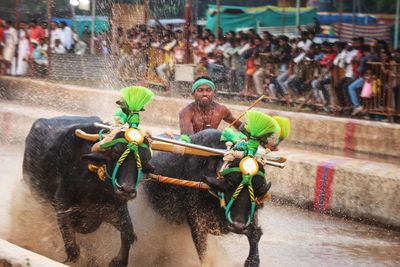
{"type": "Point", "coordinates": [67, 36]}
{"type": "Point", "coordinates": [262, 51]}
{"type": "Point", "coordinates": [23, 50]}
{"type": "Point", "coordinates": [55, 33]}
{"type": "Point", "coordinates": [1, 33]}
{"type": "Point", "coordinates": [358, 83]}
{"type": "Point", "coordinates": [234, 61]}
{"type": "Point", "coordinates": [86, 36]}
{"type": "Point", "coordinates": [305, 43]}
{"type": "Point", "coordinates": [10, 43]}
{"type": "Point", "coordinates": [325, 76]}
{"type": "Point", "coordinates": [343, 61]}
{"type": "Point", "coordinates": [36, 31]}
{"type": "Point", "coordinates": [164, 70]}
{"type": "Point", "coordinates": [44, 26]}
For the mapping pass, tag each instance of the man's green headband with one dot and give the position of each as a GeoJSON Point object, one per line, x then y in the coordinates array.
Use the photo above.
{"type": "Point", "coordinates": [201, 82]}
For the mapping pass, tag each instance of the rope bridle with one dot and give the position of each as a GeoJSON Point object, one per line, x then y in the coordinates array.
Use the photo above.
{"type": "Point", "coordinates": [246, 182]}
{"type": "Point", "coordinates": [131, 147]}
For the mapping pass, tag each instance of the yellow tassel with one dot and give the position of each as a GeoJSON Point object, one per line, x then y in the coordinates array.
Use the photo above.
{"type": "Point", "coordinates": [100, 170]}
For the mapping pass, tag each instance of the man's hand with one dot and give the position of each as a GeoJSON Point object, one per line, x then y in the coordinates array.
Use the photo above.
{"type": "Point", "coordinates": [272, 147]}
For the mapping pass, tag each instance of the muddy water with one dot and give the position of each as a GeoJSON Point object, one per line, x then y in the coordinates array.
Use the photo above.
{"type": "Point", "coordinates": [292, 237]}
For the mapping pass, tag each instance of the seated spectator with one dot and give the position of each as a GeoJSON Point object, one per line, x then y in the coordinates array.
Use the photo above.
{"type": "Point", "coordinates": [164, 70]}
{"type": "Point", "coordinates": [79, 47]}
{"type": "Point", "coordinates": [58, 47]}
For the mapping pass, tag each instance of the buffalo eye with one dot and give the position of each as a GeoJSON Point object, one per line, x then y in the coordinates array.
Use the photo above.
{"type": "Point", "coordinates": [220, 184]}
{"type": "Point", "coordinates": [95, 158]}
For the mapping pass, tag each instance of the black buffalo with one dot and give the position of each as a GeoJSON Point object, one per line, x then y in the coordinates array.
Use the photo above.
{"type": "Point", "coordinates": [56, 168]}
{"type": "Point", "coordinates": [200, 209]}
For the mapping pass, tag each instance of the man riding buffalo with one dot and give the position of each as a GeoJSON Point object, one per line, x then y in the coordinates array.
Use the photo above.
{"type": "Point", "coordinates": [204, 112]}
{"type": "Point", "coordinates": [237, 188]}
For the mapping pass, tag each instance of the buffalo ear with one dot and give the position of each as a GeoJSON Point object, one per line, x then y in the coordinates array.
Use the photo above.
{"type": "Point", "coordinates": [148, 168]}
{"type": "Point", "coordinates": [220, 184]}
{"type": "Point", "coordinates": [95, 158]}
{"type": "Point", "coordinates": [264, 188]}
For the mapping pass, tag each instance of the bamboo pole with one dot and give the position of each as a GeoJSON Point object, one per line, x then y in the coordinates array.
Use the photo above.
{"type": "Point", "coordinates": [251, 106]}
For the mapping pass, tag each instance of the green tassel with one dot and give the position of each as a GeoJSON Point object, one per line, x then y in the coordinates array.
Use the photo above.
{"type": "Point", "coordinates": [228, 134]}
{"type": "Point", "coordinates": [284, 123]}
{"type": "Point", "coordinates": [185, 138]}
{"type": "Point", "coordinates": [136, 97]}
{"type": "Point", "coordinates": [122, 115]}
{"type": "Point", "coordinates": [259, 124]}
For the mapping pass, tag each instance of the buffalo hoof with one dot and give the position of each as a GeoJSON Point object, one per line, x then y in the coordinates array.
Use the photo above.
{"type": "Point", "coordinates": [73, 252]}
{"type": "Point", "coordinates": [252, 262]}
{"type": "Point", "coordinates": [118, 262]}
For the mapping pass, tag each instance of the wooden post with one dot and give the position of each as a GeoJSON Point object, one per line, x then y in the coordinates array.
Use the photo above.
{"type": "Point", "coordinates": [340, 18]}
{"type": "Point", "coordinates": [50, 4]}
{"type": "Point", "coordinates": [396, 26]}
{"type": "Point", "coordinates": [17, 14]}
{"type": "Point", "coordinates": [188, 18]}
{"type": "Point", "coordinates": [93, 28]}
{"type": "Point", "coordinates": [297, 13]}
{"type": "Point", "coordinates": [145, 11]}
{"type": "Point", "coordinates": [354, 20]}
{"type": "Point", "coordinates": [218, 18]}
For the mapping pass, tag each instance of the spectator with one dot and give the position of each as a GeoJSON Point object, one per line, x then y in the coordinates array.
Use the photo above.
{"type": "Point", "coordinates": [79, 47]}
{"type": "Point", "coordinates": [23, 50]}
{"type": "Point", "coordinates": [10, 43]}
{"type": "Point", "coordinates": [164, 70]}
{"type": "Point", "coordinates": [86, 35]}
{"type": "Point", "coordinates": [58, 47]}
{"type": "Point", "coordinates": [55, 33]}
{"type": "Point", "coordinates": [66, 36]}
{"type": "Point", "coordinates": [36, 31]}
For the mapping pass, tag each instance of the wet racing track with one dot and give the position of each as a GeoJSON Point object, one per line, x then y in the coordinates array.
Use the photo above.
{"type": "Point", "coordinates": [292, 237]}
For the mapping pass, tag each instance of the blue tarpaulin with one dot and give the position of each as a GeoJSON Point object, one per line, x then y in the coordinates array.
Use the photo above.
{"type": "Point", "coordinates": [101, 24]}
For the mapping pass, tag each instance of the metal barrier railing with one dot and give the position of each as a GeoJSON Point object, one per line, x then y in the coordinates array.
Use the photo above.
{"type": "Point", "coordinates": [385, 98]}
{"type": "Point", "coordinates": [385, 89]}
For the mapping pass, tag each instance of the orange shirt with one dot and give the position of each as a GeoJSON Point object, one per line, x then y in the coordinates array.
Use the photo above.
{"type": "Point", "coordinates": [37, 33]}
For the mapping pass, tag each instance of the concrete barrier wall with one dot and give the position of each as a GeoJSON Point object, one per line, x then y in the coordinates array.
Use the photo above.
{"type": "Point", "coordinates": [12, 255]}
{"type": "Point", "coordinates": [354, 138]}
{"type": "Point", "coordinates": [359, 189]}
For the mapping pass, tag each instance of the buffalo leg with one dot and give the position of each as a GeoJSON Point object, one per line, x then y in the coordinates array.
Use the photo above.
{"type": "Point", "coordinates": [199, 235]}
{"type": "Point", "coordinates": [122, 221]}
{"type": "Point", "coordinates": [253, 234]}
{"type": "Point", "coordinates": [66, 227]}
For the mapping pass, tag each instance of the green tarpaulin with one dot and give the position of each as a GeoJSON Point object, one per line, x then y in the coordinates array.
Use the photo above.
{"type": "Point", "coordinates": [236, 17]}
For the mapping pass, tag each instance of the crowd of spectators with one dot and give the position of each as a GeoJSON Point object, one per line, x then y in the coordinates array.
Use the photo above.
{"type": "Point", "coordinates": [337, 77]}
{"type": "Point", "coordinates": [334, 76]}
{"type": "Point", "coordinates": [26, 49]}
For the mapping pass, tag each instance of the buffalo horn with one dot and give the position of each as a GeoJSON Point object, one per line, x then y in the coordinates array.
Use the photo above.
{"type": "Point", "coordinates": [90, 137]}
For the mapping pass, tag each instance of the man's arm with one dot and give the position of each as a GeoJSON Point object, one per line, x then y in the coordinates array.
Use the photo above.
{"type": "Point", "coordinates": [185, 121]}
{"type": "Point", "coordinates": [229, 118]}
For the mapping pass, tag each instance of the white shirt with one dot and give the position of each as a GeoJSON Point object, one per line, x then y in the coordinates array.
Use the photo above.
{"type": "Point", "coordinates": [60, 49]}
{"type": "Point", "coordinates": [244, 48]}
{"type": "Point", "coordinates": [55, 34]}
{"type": "Point", "coordinates": [305, 45]}
{"type": "Point", "coordinates": [67, 39]}
{"type": "Point", "coordinates": [210, 48]}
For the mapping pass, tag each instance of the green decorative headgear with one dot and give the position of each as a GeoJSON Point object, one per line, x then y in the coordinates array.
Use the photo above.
{"type": "Point", "coordinates": [259, 126]}
{"type": "Point", "coordinates": [201, 82]}
{"type": "Point", "coordinates": [284, 123]}
{"type": "Point", "coordinates": [134, 98]}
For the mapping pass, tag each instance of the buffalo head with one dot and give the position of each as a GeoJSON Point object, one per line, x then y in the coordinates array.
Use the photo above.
{"type": "Point", "coordinates": [121, 159]}
{"type": "Point", "coordinates": [240, 191]}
